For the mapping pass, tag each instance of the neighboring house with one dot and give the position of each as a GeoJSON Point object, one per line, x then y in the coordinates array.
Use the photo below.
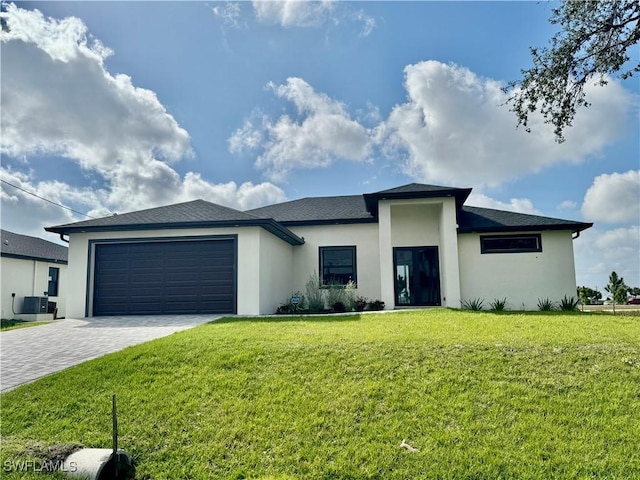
{"type": "Point", "coordinates": [34, 269]}
{"type": "Point", "coordinates": [415, 245]}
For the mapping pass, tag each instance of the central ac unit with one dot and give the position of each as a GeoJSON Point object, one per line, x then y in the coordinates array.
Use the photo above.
{"type": "Point", "coordinates": [34, 305]}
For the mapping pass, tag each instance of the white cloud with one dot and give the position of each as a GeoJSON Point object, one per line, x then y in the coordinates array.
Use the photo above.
{"type": "Point", "coordinates": [519, 205]}
{"type": "Point", "coordinates": [613, 198]}
{"type": "Point", "coordinates": [568, 205]}
{"type": "Point", "coordinates": [294, 13]}
{"type": "Point", "coordinates": [455, 128]}
{"type": "Point", "coordinates": [323, 132]}
{"type": "Point", "coordinates": [59, 100]}
{"type": "Point", "coordinates": [26, 214]}
{"type": "Point", "coordinates": [300, 13]}
{"type": "Point", "coordinates": [229, 13]}
{"type": "Point", "coordinates": [598, 253]}
{"type": "Point", "coordinates": [368, 23]}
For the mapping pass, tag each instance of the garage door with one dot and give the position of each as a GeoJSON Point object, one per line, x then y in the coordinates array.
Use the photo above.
{"type": "Point", "coordinates": [175, 277]}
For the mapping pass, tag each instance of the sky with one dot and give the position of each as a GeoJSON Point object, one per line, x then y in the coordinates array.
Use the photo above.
{"type": "Point", "coordinates": [110, 107]}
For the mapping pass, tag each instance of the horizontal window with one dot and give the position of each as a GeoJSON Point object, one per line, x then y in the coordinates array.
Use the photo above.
{"type": "Point", "coordinates": [337, 265]}
{"type": "Point", "coordinates": [511, 243]}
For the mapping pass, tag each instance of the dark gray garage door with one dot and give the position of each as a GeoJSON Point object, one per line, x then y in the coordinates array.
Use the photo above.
{"type": "Point", "coordinates": [176, 277]}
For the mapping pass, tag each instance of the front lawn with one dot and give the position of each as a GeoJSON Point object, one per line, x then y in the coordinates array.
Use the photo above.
{"type": "Point", "coordinates": [13, 324]}
{"type": "Point", "coordinates": [480, 395]}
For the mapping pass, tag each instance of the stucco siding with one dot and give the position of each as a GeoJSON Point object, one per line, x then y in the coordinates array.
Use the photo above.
{"type": "Point", "coordinates": [420, 223]}
{"type": "Point", "coordinates": [29, 278]}
{"type": "Point", "coordinates": [80, 271]}
{"type": "Point", "coordinates": [306, 259]}
{"type": "Point", "coordinates": [276, 272]}
{"type": "Point", "coordinates": [415, 225]}
{"type": "Point", "coordinates": [521, 278]}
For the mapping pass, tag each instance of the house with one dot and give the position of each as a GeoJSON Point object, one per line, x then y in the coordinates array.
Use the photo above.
{"type": "Point", "coordinates": [33, 277]}
{"type": "Point", "coordinates": [415, 245]}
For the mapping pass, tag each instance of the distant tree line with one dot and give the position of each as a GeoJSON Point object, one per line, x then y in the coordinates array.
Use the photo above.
{"type": "Point", "coordinates": [618, 290]}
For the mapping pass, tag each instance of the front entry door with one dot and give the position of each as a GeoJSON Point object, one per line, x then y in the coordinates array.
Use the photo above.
{"type": "Point", "coordinates": [417, 274]}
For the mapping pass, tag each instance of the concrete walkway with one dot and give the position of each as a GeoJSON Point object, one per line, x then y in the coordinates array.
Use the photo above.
{"type": "Point", "coordinates": [27, 354]}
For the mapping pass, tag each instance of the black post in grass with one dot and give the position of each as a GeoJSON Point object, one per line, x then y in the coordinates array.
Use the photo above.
{"type": "Point", "coordinates": [114, 416]}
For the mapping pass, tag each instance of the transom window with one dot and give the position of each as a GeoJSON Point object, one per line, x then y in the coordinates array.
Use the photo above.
{"type": "Point", "coordinates": [338, 265]}
{"type": "Point", "coordinates": [511, 243]}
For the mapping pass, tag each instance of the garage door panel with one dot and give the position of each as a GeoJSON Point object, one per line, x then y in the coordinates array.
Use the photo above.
{"type": "Point", "coordinates": [165, 277]}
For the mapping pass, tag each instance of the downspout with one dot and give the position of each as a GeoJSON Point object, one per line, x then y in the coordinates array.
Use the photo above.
{"type": "Point", "coordinates": [63, 239]}
{"type": "Point", "coordinates": [577, 234]}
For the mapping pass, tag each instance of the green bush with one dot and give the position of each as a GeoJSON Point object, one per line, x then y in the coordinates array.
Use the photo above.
{"type": "Point", "coordinates": [313, 294]}
{"type": "Point", "coordinates": [334, 293]}
{"type": "Point", "coordinates": [498, 304]}
{"type": "Point", "coordinates": [375, 305]}
{"type": "Point", "coordinates": [350, 295]}
{"type": "Point", "coordinates": [360, 303]}
{"type": "Point", "coordinates": [474, 304]}
{"type": "Point", "coordinates": [546, 305]}
{"type": "Point", "coordinates": [568, 304]}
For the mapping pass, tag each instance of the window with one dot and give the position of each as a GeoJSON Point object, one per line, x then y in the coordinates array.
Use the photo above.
{"type": "Point", "coordinates": [337, 265]}
{"type": "Point", "coordinates": [511, 243]}
{"type": "Point", "coordinates": [54, 275]}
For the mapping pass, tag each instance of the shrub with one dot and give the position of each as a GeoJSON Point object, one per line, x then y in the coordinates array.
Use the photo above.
{"type": "Point", "coordinates": [568, 304]}
{"type": "Point", "coordinates": [498, 304]}
{"type": "Point", "coordinates": [335, 293]}
{"type": "Point", "coordinates": [314, 298]}
{"type": "Point", "coordinates": [339, 307]}
{"type": "Point", "coordinates": [283, 309]}
{"type": "Point", "coordinates": [350, 295]}
{"type": "Point", "coordinates": [474, 304]}
{"type": "Point", "coordinates": [360, 303]}
{"type": "Point", "coordinates": [376, 305]}
{"type": "Point", "coordinates": [288, 307]}
{"type": "Point", "coordinates": [546, 305]}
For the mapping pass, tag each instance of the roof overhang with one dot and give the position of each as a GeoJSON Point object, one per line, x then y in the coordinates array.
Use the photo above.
{"type": "Point", "coordinates": [371, 199]}
{"type": "Point", "coordinates": [268, 224]}
{"type": "Point", "coordinates": [573, 227]}
{"type": "Point", "coordinates": [32, 258]}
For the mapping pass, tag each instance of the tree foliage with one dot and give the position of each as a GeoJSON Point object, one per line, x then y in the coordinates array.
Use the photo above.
{"type": "Point", "coordinates": [617, 288]}
{"type": "Point", "coordinates": [592, 45]}
{"type": "Point", "coordinates": [589, 296]}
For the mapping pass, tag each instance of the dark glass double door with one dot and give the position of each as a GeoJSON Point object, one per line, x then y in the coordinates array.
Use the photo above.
{"type": "Point", "coordinates": [417, 273]}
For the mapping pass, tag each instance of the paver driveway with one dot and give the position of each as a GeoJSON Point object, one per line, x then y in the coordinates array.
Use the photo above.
{"type": "Point", "coordinates": [27, 354]}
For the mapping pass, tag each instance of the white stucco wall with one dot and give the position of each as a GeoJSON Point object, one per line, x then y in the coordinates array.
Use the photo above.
{"type": "Point", "coordinates": [276, 272]}
{"type": "Point", "coordinates": [249, 299]}
{"type": "Point", "coordinates": [306, 258]}
{"type": "Point", "coordinates": [29, 278]}
{"type": "Point", "coordinates": [420, 223]}
{"type": "Point", "coordinates": [523, 278]}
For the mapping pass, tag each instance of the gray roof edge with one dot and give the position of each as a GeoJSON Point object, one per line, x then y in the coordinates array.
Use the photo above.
{"type": "Point", "coordinates": [574, 227]}
{"type": "Point", "coordinates": [267, 223]}
{"type": "Point", "coordinates": [32, 257]}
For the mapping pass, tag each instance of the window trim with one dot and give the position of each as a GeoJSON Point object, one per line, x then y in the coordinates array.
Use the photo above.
{"type": "Point", "coordinates": [53, 280]}
{"type": "Point", "coordinates": [484, 250]}
{"type": "Point", "coordinates": [354, 266]}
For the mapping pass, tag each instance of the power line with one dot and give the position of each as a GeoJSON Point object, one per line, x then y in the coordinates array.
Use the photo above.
{"type": "Point", "coordinates": [46, 199]}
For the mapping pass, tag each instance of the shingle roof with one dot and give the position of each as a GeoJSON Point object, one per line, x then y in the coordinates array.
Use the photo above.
{"type": "Point", "coordinates": [317, 210]}
{"type": "Point", "coordinates": [477, 219]}
{"type": "Point", "coordinates": [415, 190]}
{"type": "Point", "coordinates": [194, 214]}
{"type": "Point", "coordinates": [24, 246]}
{"type": "Point", "coordinates": [418, 188]}
{"type": "Point", "coordinates": [187, 212]}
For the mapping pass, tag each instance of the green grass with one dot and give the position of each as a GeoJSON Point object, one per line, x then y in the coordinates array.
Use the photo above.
{"type": "Point", "coordinates": [481, 395]}
{"type": "Point", "coordinates": [13, 324]}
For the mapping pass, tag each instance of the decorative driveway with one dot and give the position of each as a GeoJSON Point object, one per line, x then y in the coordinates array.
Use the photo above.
{"type": "Point", "coordinates": [27, 354]}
